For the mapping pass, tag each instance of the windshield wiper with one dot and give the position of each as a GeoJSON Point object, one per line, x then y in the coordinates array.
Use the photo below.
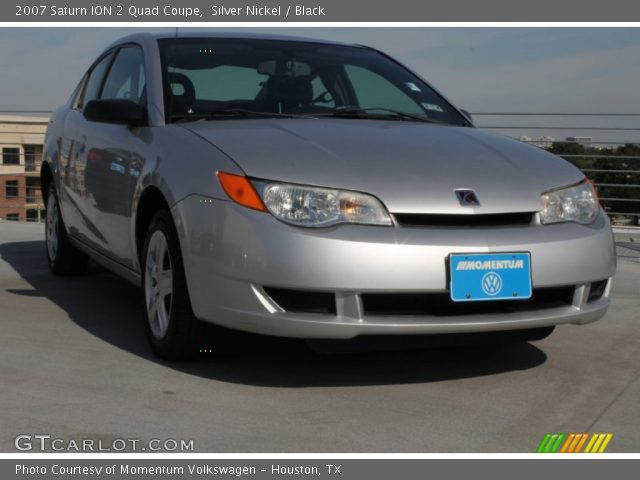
{"type": "Point", "coordinates": [344, 111]}
{"type": "Point", "coordinates": [387, 113]}
{"type": "Point", "coordinates": [230, 112]}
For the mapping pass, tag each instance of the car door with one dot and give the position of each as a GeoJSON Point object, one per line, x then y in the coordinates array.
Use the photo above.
{"type": "Point", "coordinates": [74, 200]}
{"type": "Point", "coordinates": [108, 155]}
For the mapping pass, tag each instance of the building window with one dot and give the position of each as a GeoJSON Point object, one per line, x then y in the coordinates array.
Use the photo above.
{"type": "Point", "coordinates": [33, 188]}
{"type": "Point", "coordinates": [32, 215]}
{"type": "Point", "coordinates": [12, 217]}
{"type": "Point", "coordinates": [11, 156]}
{"type": "Point", "coordinates": [30, 154]}
{"type": "Point", "coordinates": [11, 189]}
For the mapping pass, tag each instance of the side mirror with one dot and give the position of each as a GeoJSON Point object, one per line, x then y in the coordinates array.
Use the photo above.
{"type": "Point", "coordinates": [123, 112]}
{"type": "Point", "coordinates": [467, 114]}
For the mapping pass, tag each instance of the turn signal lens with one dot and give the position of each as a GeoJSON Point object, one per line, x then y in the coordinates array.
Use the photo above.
{"type": "Point", "coordinates": [240, 190]}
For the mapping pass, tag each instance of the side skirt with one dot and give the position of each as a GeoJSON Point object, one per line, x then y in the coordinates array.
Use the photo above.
{"type": "Point", "coordinates": [131, 276]}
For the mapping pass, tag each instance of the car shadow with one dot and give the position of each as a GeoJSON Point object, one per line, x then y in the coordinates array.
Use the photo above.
{"type": "Point", "coordinates": [111, 309]}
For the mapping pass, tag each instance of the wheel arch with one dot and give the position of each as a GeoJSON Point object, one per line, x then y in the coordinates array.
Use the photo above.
{"type": "Point", "coordinates": [151, 200]}
{"type": "Point", "coordinates": [46, 178]}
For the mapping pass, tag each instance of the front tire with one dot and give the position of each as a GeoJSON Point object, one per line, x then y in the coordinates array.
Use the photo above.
{"type": "Point", "coordinates": [63, 258]}
{"type": "Point", "coordinates": [171, 325]}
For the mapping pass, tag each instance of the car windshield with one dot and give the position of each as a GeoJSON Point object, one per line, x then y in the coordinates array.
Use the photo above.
{"type": "Point", "coordinates": [211, 78]}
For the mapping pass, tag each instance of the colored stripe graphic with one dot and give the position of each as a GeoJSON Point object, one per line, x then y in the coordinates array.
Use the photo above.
{"type": "Point", "coordinates": [598, 443]}
{"type": "Point", "coordinates": [606, 441]}
{"type": "Point", "coordinates": [543, 443]}
{"type": "Point", "coordinates": [550, 443]}
{"type": "Point", "coordinates": [568, 442]}
{"type": "Point", "coordinates": [558, 442]}
{"type": "Point", "coordinates": [574, 442]}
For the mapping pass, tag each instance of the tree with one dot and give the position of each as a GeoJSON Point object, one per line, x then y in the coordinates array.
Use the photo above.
{"type": "Point", "coordinates": [611, 169]}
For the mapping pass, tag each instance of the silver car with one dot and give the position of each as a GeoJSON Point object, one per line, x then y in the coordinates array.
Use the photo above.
{"type": "Point", "coordinates": [312, 189]}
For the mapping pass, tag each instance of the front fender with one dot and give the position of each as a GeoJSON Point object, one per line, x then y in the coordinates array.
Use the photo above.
{"type": "Point", "coordinates": [178, 163]}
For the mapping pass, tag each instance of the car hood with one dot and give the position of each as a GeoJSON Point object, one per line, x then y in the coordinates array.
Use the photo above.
{"type": "Point", "coordinates": [412, 167]}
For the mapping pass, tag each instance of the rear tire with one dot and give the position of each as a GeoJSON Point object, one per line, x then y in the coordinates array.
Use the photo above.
{"type": "Point", "coordinates": [171, 326]}
{"type": "Point", "coordinates": [62, 256]}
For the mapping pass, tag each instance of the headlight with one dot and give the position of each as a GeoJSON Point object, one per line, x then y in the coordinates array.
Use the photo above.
{"type": "Point", "coordinates": [321, 207]}
{"type": "Point", "coordinates": [578, 203]}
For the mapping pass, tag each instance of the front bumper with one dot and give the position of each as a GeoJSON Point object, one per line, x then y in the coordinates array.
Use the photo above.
{"type": "Point", "coordinates": [231, 253]}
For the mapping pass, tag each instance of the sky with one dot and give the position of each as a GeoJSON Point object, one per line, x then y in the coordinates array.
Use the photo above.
{"type": "Point", "coordinates": [594, 70]}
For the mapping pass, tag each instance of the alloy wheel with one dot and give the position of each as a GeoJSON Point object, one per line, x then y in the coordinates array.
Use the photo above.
{"type": "Point", "coordinates": [158, 286]}
{"type": "Point", "coordinates": [52, 227]}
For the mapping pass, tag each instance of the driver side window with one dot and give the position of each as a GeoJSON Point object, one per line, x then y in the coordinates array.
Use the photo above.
{"type": "Point", "coordinates": [91, 87]}
{"type": "Point", "coordinates": [126, 79]}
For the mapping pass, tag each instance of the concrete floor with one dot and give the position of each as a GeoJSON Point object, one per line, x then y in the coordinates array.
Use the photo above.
{"type": "Point", "coordinates": [74, 364]}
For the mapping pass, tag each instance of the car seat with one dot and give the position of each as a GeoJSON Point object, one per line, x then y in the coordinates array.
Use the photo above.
{"type": "Point", "coordinates": [181, 103]}
{"type": "Point", "coordinates": [285, 94]}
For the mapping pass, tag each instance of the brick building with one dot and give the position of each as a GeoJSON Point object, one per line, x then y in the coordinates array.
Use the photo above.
{"type": "Point", "coordinates": [21, 139]}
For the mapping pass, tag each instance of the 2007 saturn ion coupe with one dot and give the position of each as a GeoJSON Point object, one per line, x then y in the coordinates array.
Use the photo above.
{"type": "Point", "coordinates": [311, 189]}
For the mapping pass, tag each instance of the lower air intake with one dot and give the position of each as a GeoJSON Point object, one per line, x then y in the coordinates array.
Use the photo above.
{"type": "Point", "coordinates": [303, 301]}
{"type": "Point", "coordinates": [439, 304]}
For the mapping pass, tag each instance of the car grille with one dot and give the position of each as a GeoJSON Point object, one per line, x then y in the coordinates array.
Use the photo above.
{"type": "Point", "coordinates": [430, 304]}
{"type": "Point", "coordinates": [466, 220]}
{"type": "Point", "coordinates": [439, 304]}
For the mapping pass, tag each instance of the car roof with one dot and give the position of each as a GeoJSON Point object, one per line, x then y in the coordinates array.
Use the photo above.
{"type": "Point", "coordinates": [177, 33]}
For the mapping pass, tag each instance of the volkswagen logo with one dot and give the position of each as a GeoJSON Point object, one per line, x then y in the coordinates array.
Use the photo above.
{"type": "Point", "coordinates": [491, 283]}
{"type": "Point", "coordinates": [467, 198]}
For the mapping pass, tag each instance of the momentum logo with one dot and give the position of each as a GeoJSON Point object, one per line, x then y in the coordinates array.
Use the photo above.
{"type": "Point", "coordinates": [574, 442]}
{"type": "Point", "coordinates": [491, 265]}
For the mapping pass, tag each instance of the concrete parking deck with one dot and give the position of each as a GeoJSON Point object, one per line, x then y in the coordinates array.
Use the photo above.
{"type": "Point", "coordinates": [74, 364]}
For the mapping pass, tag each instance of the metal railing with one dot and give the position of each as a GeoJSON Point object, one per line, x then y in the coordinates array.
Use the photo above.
{"type": "Point", "coordinates": [606, 150]}
{"type": "Point", "coordinates": [606, 147]}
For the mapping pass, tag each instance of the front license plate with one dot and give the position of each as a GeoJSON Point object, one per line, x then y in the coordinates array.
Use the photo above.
{"type": "Point", "coordinates": [490, 276]}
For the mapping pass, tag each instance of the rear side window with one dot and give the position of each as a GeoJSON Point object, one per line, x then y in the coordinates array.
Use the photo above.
{"type": "Point", "coordinates": [94, 82]}
{"type": "Point", "coordinates": [126, 79]}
